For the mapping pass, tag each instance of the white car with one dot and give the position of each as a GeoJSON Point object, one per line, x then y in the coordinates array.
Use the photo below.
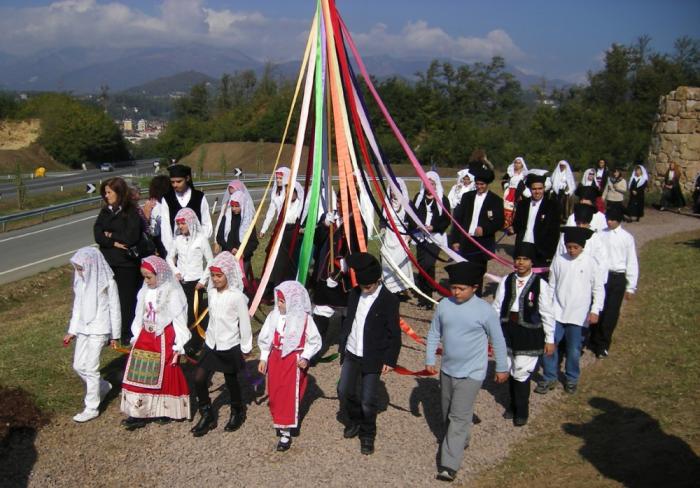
{"type": "Point", "coordinates": [106, 167]}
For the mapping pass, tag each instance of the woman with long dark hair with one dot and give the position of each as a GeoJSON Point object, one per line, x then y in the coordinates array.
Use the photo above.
{"type": "Point", "coordinates": [672, 196]}
{"type": "Point", "coordinates": [118, 227]}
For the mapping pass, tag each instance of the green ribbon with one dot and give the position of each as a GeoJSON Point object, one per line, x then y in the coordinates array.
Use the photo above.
{"type": "Point", "coordinates": [329, 358]}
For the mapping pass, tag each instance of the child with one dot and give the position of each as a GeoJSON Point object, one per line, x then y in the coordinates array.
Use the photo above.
{"type": "Point", "coordinates": [578, 298]}
{"type": "Point", "coordinates": [524, 303]}
{"type": "Point", "coordinates": [465, 183]}
{"type": "Point", "coordinates": [153, 385]}
{"type": "Point", "coordinates": [229, 340]}
{"type": "Point", "coordinates": [96, 320]}
{"type": "Point", "coordinates": [189, 258]}
{"type": "Point", "coordinates": [287, 341]}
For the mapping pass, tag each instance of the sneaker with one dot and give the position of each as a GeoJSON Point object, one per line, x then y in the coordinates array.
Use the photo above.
{"type": "Point", "coordinates": [570, 388]}
{"type": "Point", "coordinates": [105, 388]}
{"type": "Point", "coordinates": [446, 474]}
{"type": "Point", "coordinates": [543, 387]}
{"type": "Point", "coordinates": [86, 416]}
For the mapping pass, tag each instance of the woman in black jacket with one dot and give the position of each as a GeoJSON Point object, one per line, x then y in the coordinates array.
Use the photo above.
{"type": "Point", "coordinates": [117, 228]}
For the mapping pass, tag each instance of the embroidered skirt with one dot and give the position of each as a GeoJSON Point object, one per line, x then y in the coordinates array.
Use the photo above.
{"type": "Point", "coordinates": [152, 386]}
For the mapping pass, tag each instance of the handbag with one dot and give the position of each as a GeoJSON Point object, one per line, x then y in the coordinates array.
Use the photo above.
{"type": "Point", "coordinates": [142, 249]}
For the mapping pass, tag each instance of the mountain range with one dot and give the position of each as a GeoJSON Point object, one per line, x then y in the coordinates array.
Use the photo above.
{"type": "Point", "coordinates": [85, 70]}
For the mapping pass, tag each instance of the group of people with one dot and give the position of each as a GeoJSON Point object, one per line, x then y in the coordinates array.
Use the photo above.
{"type": "Point", "coordinates": [567, 288]}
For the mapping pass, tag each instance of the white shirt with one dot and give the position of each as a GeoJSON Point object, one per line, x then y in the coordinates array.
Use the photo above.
{"type": "Point", "coordinates": [594, 248]}
{"type": "Point", "coordinates": [622, 255]}
{"type": "Point", "coordinates": [478, 203]}
{"type": "Point", "coordinates": [229, 322]}
{"type": "Point", "coordinates": [193, 258]}
{"type": "Point", "coordinates": [166, 231]}
{"type": "Point", "coordinates": [108, 319]}
{"type": "Point", "coordinates": [355, 342]}
{"type": "Point", "coordinates": [531, 220]}
{"type": "Point", "coordinates": [598, 222]}
{"type": "Point", "coordinates": [312, 338]}
{"type": "Point", "coordinates": [273, 210]}
{"type": "Point", "coordinates": [544, 303]}
{"type": "Point", "coordinates": [156, 219]}
{"type": "Point", "coordinates": [577, 289]}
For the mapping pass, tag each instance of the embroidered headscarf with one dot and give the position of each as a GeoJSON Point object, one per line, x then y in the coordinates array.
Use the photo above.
{"type": "Point", "coordinates": [561, 177]}
{"type": "Point", "coordinates": [639, 179]}
{"type": "Point", "coordinates": [298, 305]}
{"type": "Point", "coordinates": [226, 263]}
{"type": "Point", "coordinates": [96, 276]}
{"type": "Point", "coordinates": [243, 199]}
{"type": "Point", "coordinates": [190, 218]}
{"type": "Point", "coordinates": [170, 297]}
{"type": "Point", "coordinates": [432, 175]}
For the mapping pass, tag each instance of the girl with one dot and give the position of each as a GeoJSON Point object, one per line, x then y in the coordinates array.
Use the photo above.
{"type": "Point", "coordinates": [233, 186]}
{"type": "Point", "coordinates": [672, 195]}
{"type": "Point", "coordinates": [277, 198]}
{"type": "Point", "coordinates": [465, 183]}
{"type": "Point", "coordinates": [285, 267]}
{"type": "Point", "coordinates": [513, 187]}
{"type": "Point", "coordinates": [563, 186]}
{"type": "Point", "coordinates": [391, 249]}
{"type": "Point", "coordinates": [153, 385]}
{"type": "Point", "coordinates": [615, 189]}
{"type": "Point", "coordinates": [287, 341]}
{"type": "Point", "coordinates": [229, 340]}
{"type": "Point", "coordinates": [96, 320]}
{"type": "Point", "coordinates": [189, 258]}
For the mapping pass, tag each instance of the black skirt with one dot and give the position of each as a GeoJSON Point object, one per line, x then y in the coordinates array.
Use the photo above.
{"type": "Point", "coordinates": [228, 361]}
{"type": "Point", "coordinates": [522, 341]}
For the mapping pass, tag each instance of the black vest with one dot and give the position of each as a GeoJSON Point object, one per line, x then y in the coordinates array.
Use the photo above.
{"type": "Point", "coordinates": [174, 206]}
{"type": "Point", "coordinates": [528, 311]}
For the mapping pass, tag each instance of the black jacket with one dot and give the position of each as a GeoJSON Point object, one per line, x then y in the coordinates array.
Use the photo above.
{"type": "Point", "coordinates": [490, 220]}
{"type": "Point", "coordinates": [126, 227]}
{"type": "Point", "coordinates": [440, 221]}
{"type": "Point", "coordinates": [546, 231]}
{"type": "Point", "coordinates": [382, 334]}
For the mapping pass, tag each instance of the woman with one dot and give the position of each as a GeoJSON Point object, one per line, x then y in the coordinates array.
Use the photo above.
{"type": "Point", "coordinates": [153, 212]}
{"type": "Point", "coordinates": [615, 189]}
{"type": "Point", "coordinates": [672, 195]}
{"type": "Point", "coordinates": [513, 187]}
{"type": "Point", "coordinates": [277, 198]}
{"type": "Point", "coordinates": [465, 183]}
{"type": "Point", "coordinates": [117, 228]}
{"type": "Point", "coordinates": [393, 254]}
{"type": "Point", "coordinates": [637, 187]}
{"type": "Point", "coordinates": [563, 186]}
{"type": "Point", "coordinates": [601, 174]}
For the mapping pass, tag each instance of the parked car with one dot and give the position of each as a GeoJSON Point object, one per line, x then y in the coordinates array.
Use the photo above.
{"type": "Point", "coordinates": [106, 167]}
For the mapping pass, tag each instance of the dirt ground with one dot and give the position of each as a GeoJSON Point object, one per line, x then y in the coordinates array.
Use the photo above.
{"type": "Point", "coordinates": [101, 453]}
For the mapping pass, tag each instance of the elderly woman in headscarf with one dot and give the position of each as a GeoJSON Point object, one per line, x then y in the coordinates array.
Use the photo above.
{"type": "Point", "coordinates": [637, 187]}
{"type": "Point", "coordinates": [513, 186]}
{"type": "Point", "coordinates": [465, 183]}
{"type": "Point", "coordinates": [397, 271]}
{"type": "Point", "coordinates": [564, 186]}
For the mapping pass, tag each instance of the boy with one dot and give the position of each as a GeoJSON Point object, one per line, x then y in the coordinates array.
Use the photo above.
{"type": "Point", "coordinates": [464, 323]}
{"type": "Point", "coordinates": [578, 298]}
{"type": "Point", "coordinates": [524, 303]}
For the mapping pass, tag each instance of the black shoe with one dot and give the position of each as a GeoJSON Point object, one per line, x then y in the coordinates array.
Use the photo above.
{"type": "Point", "coordinates": [284, 443]}
{"type": "Point", "coordinates": [367, 446]}
{"type": "Point", "coordinates": [570, 388]}
{"type": "Point", "coordinates": [519, 421]}
{"type": "Point", "coordinates": [508, 414]}
{"type": "Point", "coordinates": [207, 422]}
{"type": "Point", "coordinates": [351, 431]}
{"type": "Point", "coordinates": [238, 416]}
{"type": "Point", "coordinates": [163, 420]}
{"type": "Point", "coordinates": [446, 474]}
{"type": "Point", "coordinates": [133, 423]}
{"type": "Point", "coordinates": [543, 387]}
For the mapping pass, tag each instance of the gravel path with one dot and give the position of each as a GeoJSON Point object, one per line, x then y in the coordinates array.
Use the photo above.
{"type": "Point", "coordinates": [101, 453]}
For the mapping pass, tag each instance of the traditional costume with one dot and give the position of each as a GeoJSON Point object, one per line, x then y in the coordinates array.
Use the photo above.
{"type": "Point", "coordinates": [394, 257]}
{"type": "Point", "coordinates": [460, 188]}
{"type": "Point", "coordinates": [601, 175]}
{"type": "Point", "coordinates": [277, 198]}
{"type": "Point", "coordinates": [153, 385]}
{"type": "Point", "coordinates": [672, 195]}
{"type": "Point", "coordinates": [637, 188]}
{"type": "Point", "coordinates": [513, 187]}
{"type": "Point", "coordinates": [563, 186]}
{"type": "Point", "coordinates": [284, 341]}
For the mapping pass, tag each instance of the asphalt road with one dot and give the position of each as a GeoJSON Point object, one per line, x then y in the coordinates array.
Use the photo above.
{"type": "Point", "coordinates": [32, 250]}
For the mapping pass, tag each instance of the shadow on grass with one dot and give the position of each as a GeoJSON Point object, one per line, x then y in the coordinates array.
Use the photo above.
{"type": "Point", "coordinates": [691, 243]}
{"type": "Point", "coordinates": [629, 446]}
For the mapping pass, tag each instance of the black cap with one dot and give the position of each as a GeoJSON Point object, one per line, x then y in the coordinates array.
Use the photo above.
{"type": "Point", "coordinates": [525, 249]}
{"type": "Point", "coordinates": [578, 235]}
{"type": "Point", "coordinates": [615, 213]}
{"type": "Point", "coordinates": [535, 178]}
{"type": "Point", "coordinates": [466, 273]}
{"type": "Point", "coordinates": [484, 175]}
{"type": "Point", "coordinates": [179, 171]}
{"type": "Point", "coordinates": [583, 213]}
{"type": "Point", "coordinates": [367, 268]}
{"type": "Point", "coordinates": [587, 193]}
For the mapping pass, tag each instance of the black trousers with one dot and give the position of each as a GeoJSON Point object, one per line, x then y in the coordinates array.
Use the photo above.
{"type": "Point", "coordinates": [195, 343]}
{"type": "Point", "coordinates": [129, 281]}
{"type": "Point", "coordinates": [601, 333]}
{"type": "Point", "coordinates": [426, 256]}
{"type": "Point", "coordinates": [201, 388]}
{"type": "Point", "coordinates": [519, 397]}
{"type": "Point", "coordinates": [357, 392]}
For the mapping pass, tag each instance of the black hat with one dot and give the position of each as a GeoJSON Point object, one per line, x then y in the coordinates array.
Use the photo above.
{"type": "Point", "coordinates": [583, 213]}
{"type": "Point", "coordinates": [466, 273]}
{"type": "Point", "coordinates": [525, 249]}
{"type": "Point", "coordinates": [614, 213]}
{"type": "Point", "coordinates": [484, 175]}
{"type": "Point", "coordinates": [367, 268]}
{"type": "Point", "coordinates": [578, 235]}
{"type": "Point", "coordinates": [587, 193]}
{"type": "Point", "coordinates": [535, 178]}
{"type": "Point", "coordinates": [179, 171]}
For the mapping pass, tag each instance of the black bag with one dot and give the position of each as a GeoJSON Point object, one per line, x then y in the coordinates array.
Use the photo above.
{"type": "Point", "coordinates": [144, 248]}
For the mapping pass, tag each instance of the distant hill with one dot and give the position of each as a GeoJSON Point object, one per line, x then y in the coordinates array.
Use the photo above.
{"type": "Point", "coordinates": [177, 83]}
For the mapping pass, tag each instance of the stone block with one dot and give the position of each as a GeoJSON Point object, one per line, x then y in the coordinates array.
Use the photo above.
{"type": "Point", "coordinates": [689, 155]}
{"type": "Point", "coordinates": [692, 106]}
{"type": "Point", "coordinates": [681, 93]}
{"type": "Point", "coordinates": [673, 107]}
{"type": "Point", "coordinates": [694, 142]}
{"type": "Point", "coordinates": [687, 126]}
{"type": "Point", "coordinates": [671, 127]}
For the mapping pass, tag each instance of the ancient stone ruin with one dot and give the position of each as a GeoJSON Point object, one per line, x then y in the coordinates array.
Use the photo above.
{"type": "Point", "coordinates": [676, 135]}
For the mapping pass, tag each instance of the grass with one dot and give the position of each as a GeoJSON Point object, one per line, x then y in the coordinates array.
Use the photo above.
{"type": "Point", "coordinates": [634, 419]}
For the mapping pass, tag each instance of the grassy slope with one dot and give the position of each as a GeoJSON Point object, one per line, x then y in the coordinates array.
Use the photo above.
{"type": "Point", "coordinates": [634, 420]}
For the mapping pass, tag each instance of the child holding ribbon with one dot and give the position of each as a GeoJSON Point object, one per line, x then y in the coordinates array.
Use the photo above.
{"type": "Point", "coordinates": [154, 386]}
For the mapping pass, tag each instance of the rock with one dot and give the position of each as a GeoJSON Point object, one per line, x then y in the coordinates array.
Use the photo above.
{"type": "Point", "coordinates": [687, 126]}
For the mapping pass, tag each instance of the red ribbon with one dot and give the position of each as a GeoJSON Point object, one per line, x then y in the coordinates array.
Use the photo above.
{"type": "Point", "coordinates": [407, 372]}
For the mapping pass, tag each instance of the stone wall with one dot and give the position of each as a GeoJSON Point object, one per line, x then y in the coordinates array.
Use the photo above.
{"type": "Point", "coordinates": [676, 134]}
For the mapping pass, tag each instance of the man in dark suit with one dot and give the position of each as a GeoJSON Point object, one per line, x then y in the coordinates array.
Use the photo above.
{"type": "Point", "coordinates": [537, 221]}
{"type": "Point", "coordinates": [480, 213]}
{"type": "Point", "coordinates": [369, 345]}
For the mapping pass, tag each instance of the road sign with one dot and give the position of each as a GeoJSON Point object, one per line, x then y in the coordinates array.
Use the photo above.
{"type": "Point", "coordinates": [237, 172]}
{"type": "Point", "coordinates": [90, 188]}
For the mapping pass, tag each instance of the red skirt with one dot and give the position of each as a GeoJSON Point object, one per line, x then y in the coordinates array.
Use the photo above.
{"type": "Point", "coordinates": [286, 384]}
{"type": "Point", "coordinates": [153, 386]}
{"type": "Point", "coordinates": [509, 207]}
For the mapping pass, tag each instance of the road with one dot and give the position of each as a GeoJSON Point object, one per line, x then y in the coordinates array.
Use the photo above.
{"type": "Point", "coordinates": [35, 249]}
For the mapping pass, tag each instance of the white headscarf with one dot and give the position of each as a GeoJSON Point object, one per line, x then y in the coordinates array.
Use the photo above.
{"type": "Point", "coordinates": [639, 179]}
{"type": "Point", "coordinates": [547, 181]}
{"type": "Point", "coordinates": [285, 179]}
{"type": "Point", "coordinates": [585, 181]}
{"type": "Point", "coordinates": [247, 213]}
{"type": "Point", "coordinates": [96, 277]}
{"type": "Point", "coordinates": [397, 210]}
{"type": "Point", "coordinates": [432, 175]}
{"type": "Point", "coordinates": [170, 297]}
{"type": "Point", "coordinates": [559, 178]}
{"type": "Point", "coordinates": [511, 168]}
{"type": "Point", "coordinates": [298, 306]}
{"type": "Point", "coordinates": [230, 267]}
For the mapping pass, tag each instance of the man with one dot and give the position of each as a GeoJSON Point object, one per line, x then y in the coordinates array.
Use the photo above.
{"type": "Point", "coordinates": [182, 194]}
{"type": "Point", "coordinates": [537, 221]}
{"type": "Point", "coordinates": [369, 345]}
{"type": "Point", "coordinates": [480, 213]}
{"type": "Point", "coordinates": [464, 323]}
{"type": "Point", "coordinates": [623, 271]}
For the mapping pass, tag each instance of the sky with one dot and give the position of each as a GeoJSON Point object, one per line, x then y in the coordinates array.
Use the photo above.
{"type": "Point", "coordinates": [561, 39]}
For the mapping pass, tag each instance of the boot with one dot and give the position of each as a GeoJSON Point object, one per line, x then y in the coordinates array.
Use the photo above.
{"type": "Point", "coordinates": [238, 416]}
{"type": "Point", "coordinates": [207, 422]}
{"type": "Point", "coordinates": [521, 389]}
